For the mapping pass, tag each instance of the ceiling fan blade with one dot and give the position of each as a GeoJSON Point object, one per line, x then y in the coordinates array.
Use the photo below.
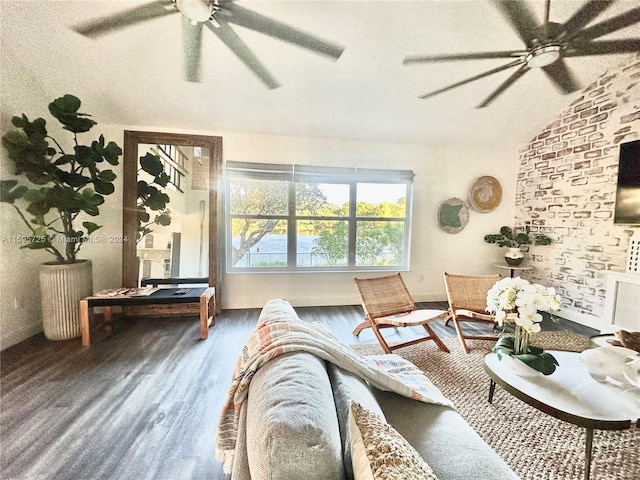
{"type": "Point", "coordinates": [192, 45]}
{"type": "Point", "coordinates": [126, 18]}
{"type": "Point", "coordinates": [462, 56]}
{"type": "Point", "coordinates": [226, 34]}
{"type": "Point", "coordinates": [560, 74]}
{"type": "Point", "coordinates": [471, 79]}
{"type": "Point", "coordinates": [585, 14]}
{"type": "Point", "coordinates": [506, 84]}
{"type": "Point", "coordinates": [246, 18]}
{"type": "Point", "coordinates": [608, 26]}
{"type": "Point", "coordinates": [603, 47]}
{"type": "Point", "coordinates": [520, 18]}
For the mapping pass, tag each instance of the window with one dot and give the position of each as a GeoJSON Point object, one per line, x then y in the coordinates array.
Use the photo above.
{"type": "Point", "coordinates": [300, 217]}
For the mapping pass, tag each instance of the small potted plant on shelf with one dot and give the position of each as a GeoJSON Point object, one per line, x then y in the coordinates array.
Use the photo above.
{"type": "Point", "coordinates": [514, 241]}
{"type": "Point", "coordinates": [67, 184]}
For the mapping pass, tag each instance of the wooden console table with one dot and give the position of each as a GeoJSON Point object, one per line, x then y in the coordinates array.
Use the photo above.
{"type": "Point", "coordinates": [202, 296]}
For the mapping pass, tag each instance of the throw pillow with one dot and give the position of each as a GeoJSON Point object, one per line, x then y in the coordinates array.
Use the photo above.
{"type": "Point", "coordinates": [379, 452]}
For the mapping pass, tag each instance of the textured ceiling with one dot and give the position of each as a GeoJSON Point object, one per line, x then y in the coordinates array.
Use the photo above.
{"type": "Point", "coordinates": [134, 76]}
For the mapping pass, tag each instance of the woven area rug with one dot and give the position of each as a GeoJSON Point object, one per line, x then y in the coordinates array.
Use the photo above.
{"type": "Point", "coordinates": [535, 445]}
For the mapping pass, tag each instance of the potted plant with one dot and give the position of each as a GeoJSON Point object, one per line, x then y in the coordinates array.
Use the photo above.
{"type": "Point", "coordinates": [66, 184]}
{"type": "Point", "coordinates": [517, 300]}
{"type": "Point", "coordinates": [513, 242]}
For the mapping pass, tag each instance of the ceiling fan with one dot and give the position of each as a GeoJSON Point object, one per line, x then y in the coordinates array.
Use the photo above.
{"type": "Point", "coordinates": [216, 15]}
{"type": "Point", "coordinates": [547, 45]}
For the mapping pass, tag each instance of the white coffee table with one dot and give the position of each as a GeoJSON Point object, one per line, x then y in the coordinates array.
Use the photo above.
{"type": "Point", "coordinates": [570, 394]}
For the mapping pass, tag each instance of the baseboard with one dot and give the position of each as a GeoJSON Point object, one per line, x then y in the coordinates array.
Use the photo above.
{"type": "Point", "coordinates": [11, 338]}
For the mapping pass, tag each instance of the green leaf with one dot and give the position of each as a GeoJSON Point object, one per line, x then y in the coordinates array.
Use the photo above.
{"type": "Point", "coordinates": [523, 239]}
{"type": "Point", "coordinates": [90, 197]}
{"type": "Point", "coordinates": [84, 156]}
{"type": "Point", "coordinates": [105, 188]}
{"type": "Point", "coordinates": [64, 105]}
{"type": "Point", "coordinates": [91, 227]}
{"type": "Point", "coordinates": [143, 216]}
{"type": "Point", "coordinates": [19, 122]}
{"type": "Point", "coordinates": [64, 159]}
{"type": "Point", "coordinates": [34, 195]}
{"type": "Point", "coordinates": [76, 180]}
{"type": "Point", "coordinates": [162, 179]}
{"type": "Point", "coordinates": [107, 175]}
{"type": "Point", "coordinates": [111, 153]}
{"type": "Point", "coordinates": [65, 110]}
{"type": "Point", "coordinates": [38, 245]}
{"type": "Point", "coordinates": [151, 164]}
{"type": "Point", "coordinates": [163, 219]}
{"type": "Point", "coordinates": [544, 363]}
{"type": "Point", "coordinates": [10, 191]}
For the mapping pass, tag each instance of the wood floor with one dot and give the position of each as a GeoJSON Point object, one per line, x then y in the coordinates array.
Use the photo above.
{"type": "Point", "coordinates": [143, 401]}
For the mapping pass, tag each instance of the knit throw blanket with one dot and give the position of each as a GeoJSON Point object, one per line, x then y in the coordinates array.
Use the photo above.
{"type": "Point", "coordinates": [275, 337]}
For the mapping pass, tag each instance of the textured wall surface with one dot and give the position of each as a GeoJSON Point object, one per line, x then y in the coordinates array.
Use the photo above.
{"type": "Point", "coordinates": [567, 190]}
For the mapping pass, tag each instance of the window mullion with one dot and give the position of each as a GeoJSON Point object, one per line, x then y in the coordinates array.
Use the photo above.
{"type": "Point", "coordinates": [292, 229]}
{"type": "Point", "coordinates": [351, 258]}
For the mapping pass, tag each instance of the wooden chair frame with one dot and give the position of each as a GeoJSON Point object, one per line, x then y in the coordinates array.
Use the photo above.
{"type": "Point", "coordinates": [387, 303]}
{"type": "Point", "coordinates": [467, 296]}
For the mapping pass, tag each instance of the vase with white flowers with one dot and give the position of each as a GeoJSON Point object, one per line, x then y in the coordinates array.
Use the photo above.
{"type": "Point", "coordinates": [517, 300]}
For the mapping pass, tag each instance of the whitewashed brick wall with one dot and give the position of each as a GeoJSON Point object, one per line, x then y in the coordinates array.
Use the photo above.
{"type": "Point", "coordinates": [567, 189]}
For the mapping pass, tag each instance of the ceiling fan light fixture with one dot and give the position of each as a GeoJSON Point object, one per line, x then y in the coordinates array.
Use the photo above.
{"type": "Point", "coordinates": [195, 10]}
{"type": "Point", "coordinates": [543, 56]}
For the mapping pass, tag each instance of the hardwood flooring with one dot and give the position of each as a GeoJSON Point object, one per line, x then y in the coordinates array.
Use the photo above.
{"type": "Point", "coordinates": [143, 401]}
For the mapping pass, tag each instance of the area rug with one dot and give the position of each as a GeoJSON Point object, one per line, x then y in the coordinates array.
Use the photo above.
{"type": "Point", "coordinates": [535, 445]}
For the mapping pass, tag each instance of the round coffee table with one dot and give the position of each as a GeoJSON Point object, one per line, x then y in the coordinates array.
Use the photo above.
{"type": "Point", "coordinates": [570, 394]}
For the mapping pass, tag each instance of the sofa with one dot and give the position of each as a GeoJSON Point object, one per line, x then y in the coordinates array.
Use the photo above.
{"type": "Point", "coordinates": [297, 423]}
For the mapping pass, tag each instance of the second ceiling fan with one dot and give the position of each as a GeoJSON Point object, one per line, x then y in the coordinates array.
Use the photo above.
{"type": "Point", "coordinates": [547, 45]}
{"type": "Point", "coordinates": [216, 16]}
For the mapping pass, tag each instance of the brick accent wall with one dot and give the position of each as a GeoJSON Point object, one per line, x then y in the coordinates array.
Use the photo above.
{"type": "Point", "coordinates": [566, 189]}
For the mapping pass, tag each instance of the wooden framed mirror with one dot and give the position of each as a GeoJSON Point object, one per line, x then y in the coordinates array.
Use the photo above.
{"type": "Point", "coordinates": [188, 247]}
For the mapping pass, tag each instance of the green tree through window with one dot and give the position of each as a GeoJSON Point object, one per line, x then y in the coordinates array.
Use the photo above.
{"type": "Point", "coordinates": [318, 218]}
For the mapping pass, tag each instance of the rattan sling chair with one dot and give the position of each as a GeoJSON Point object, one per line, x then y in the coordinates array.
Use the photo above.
{"type": "Point", "coordinates": [387, 303]}
{"type": "Point", "coordinates": [467, 295]}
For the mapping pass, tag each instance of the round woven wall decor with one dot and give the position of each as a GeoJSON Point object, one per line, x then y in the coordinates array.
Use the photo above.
{"type": "Point", "coordinates": [453, 215]}
{"type": "Point", "coordinates": [485, 194]}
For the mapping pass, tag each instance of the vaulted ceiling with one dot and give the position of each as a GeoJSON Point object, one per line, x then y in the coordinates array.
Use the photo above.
{"type": "Point", "coordinates": [134, 76]}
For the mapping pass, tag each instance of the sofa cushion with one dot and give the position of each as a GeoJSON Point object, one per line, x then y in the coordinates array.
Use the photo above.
{"type": "Point", "coordinates": [444, 439]}
{"type": "Point", "coordinates": [292, 426]}
{"type": "Point", "coordinates": [348, 388]}
{"type": "Point", "coordinates": [379, 452]}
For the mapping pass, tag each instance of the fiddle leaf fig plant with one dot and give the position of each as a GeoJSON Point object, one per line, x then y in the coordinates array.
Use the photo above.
{"type": "Point", "coordinates": [66, 183]}
{"type": "Point", "coordinates": [507, 238]}
{"type": "Point", "coordinates": [151, 197]}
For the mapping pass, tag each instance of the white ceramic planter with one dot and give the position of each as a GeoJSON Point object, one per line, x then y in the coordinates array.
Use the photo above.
{"type": "Point", "coordinates": [514, 256]}
{"type": "Point", "coordinates": [519, 367]}
{"type": "Point", "coordinates": [62, 286]}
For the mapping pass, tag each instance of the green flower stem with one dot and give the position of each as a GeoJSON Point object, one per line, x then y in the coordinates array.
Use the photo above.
{"type": "Point", "coordinates": [521, 342]}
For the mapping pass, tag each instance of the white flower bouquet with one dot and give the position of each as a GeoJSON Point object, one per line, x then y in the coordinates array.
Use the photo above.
{"type": "Point", "coordinates": [518, 301]}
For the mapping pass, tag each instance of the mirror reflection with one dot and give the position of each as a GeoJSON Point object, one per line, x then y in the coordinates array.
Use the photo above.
{"type": "Point", "coordinates": [172, 210]}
